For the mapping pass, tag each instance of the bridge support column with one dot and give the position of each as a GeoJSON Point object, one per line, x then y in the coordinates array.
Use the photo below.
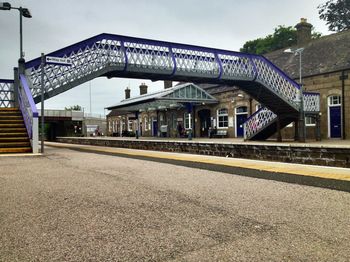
{"type": "Point", "coordinates": [318, 128]}
{"type": "Point", "coordinates": [15, 87]}
{"type": "Point", "coordinates": [279, 135]}
{"type": "Point", "coordinates": [296, 130]}
{"type": "Point", "coordinates": [301, 127]}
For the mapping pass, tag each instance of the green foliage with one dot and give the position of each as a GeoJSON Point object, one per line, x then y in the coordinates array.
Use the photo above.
{"type": "Point", "coordinates": [282, 37]}
{"type": "Point", "coordinates": [73, 108]}
{"type": "Point", "coordinates": [336, 13]}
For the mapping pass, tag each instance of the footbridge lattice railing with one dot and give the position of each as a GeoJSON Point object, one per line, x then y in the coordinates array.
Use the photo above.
{"type": "Point", "coordinates": [6, 93]}
{"type": "Point", "coordinates": [115, 55]}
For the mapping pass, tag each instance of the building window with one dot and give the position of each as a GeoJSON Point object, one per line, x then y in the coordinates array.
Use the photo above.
{"type": "Point", "coordinates": [222, 116]}
{"type": "Point", "coordinates": [334, 100]}
{"type": "Point", "coordinates": [146, 123]}
{"type": "Point", "coordinates": [310, 121]}
{"type": "Point", "coordinates": [110, 126]}
{"type": "Point", "coordinates": [130, 125]}
{"type": "Point", "coordinates": [188, 121]}
{"type": "Point", "coordinates": [257, 107]}
{"type": "Point", "coordinates": [113, 126]}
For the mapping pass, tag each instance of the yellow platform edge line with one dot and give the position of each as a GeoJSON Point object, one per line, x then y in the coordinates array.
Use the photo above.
{"type": "Point", "coordinates": [231, 162]}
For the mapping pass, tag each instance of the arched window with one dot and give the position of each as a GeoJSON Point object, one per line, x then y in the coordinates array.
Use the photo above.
{"type": "Point", "coordinates": [222, 118]}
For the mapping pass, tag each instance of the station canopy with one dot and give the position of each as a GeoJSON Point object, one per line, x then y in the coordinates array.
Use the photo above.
{"type": "Point", "coordinates": [170, 98]}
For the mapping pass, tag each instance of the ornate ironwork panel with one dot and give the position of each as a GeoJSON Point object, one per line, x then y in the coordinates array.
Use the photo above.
{"type": "Point", "coordinates": [258, 121]}
{"type": "Point", "coordinates": [273, 78]}
{"type": "Point", "coordinates": [6, 93]}
{"type": "Point", "coordinates": [311, 102]}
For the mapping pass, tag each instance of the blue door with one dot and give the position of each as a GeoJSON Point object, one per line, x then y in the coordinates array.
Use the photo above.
{"type": "Point", "coordinates": [335, 121]}
{"type": "Point", "coordinates": [240, 119]}
{"type": "Point", "coordinates": [155, 128]}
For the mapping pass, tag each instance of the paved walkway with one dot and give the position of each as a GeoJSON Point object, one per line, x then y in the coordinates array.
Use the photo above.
{"type": "Point", "coordinates": [77, 206]}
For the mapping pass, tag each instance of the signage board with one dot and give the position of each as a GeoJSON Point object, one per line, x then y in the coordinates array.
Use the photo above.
{"type": "Point", "coordinates": [58, 61]}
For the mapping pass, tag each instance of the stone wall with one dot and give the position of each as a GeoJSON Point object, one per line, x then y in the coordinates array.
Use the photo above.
{"type": "Point", "coordinates": [313, 155]}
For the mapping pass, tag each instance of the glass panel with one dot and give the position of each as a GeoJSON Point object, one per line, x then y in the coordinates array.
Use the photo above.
{"type": "Point", "coordinates": [310, 121]}
{"type": "Point", "coordinates": [241, 109]}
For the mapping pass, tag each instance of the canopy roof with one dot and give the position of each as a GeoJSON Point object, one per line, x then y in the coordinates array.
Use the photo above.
{"type": "Point", "coordinates": [168, 98]}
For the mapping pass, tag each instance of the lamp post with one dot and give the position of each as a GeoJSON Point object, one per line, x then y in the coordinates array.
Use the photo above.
{"type": "Point", "coordinates": [302, 126]}
{"type": "Point", "coordinates": [23, 12]}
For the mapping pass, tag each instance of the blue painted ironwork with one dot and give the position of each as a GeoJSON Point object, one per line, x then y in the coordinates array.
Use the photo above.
{"type": "Point", "coordinates": [6, 93]}
{"type": "Point", "coordinates": [27, 105]}
{"type": "Point", "coordinates": [123, 56]}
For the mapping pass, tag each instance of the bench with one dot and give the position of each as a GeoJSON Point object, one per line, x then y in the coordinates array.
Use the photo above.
{"type": "Point", "coordinates": [221, 133]}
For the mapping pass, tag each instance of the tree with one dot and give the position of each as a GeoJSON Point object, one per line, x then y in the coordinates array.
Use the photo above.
{"type": "Point", "coordinates": [282, 37]}
{"type": "Point", "coordinates": [73, 108]}
{"type": "Point", "coordinates": [336, 13]}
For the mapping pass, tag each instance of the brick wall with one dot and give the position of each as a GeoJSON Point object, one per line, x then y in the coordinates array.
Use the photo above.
{"type": "Point", "coordinates": [313, 155]}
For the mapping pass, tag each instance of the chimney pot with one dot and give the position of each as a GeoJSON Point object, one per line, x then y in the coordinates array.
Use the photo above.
{"type": "Point", "coordinates": [168, 84]}
{"type": "Point", "coordinates": [143, 89]}
{"type": "Point", "coordinates": [303, 32]}
{"type": "Point", "coordinates": [127, 93]}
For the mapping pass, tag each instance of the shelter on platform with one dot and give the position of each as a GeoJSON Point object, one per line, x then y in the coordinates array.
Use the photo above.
{"type": "Point", "coordinates": [169, 112]}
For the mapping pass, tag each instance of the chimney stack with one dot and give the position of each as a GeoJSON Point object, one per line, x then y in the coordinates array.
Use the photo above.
{"type": "Point", "coordinates": [143, 89]}
{"type": "Point", "coordinates": [168, 84]}
{"type": "Point", "coordinates": [127, 93]}
{"type": "Point", "coordinates": [303, 32]}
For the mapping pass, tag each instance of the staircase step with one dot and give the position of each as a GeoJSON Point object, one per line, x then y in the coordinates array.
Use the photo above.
{"type": "Point", "coordinates": [23, 138]}
{"type": "Point", "coordinates": [15, 150]}
{"type": "Point", "coordinates": [13, 134]}
{"type": "Point", "coordinates": [14, 144]}
{"type": "Point", "coordinates": [10, 113]}
{"type": "Point", "coordinates": [12, 125]}
{"type": "Point", "coordinates": [11, 121]}
{"type": "Point", "coordinates": [9, 109]}
{"type": "Point", "coordinates": [10, 117]}
{"type": "Point", "coordinates": [12, 130]}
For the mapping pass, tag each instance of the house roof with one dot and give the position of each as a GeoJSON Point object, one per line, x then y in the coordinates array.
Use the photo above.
{"type": "Point", "coordinates": [327, 54]}
{"type": "Point", "coordinates": [166, 98]}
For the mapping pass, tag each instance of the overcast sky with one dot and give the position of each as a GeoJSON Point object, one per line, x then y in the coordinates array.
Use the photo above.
{"type": "Point", "coordinates": [225, 24]}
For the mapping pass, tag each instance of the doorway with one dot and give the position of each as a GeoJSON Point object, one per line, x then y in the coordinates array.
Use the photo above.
{"type": "Point", "coordinates": [241, 117]}
{"type": "Point", "coordinates": [205, 123]}
{"type": "Point", "coordinates": [334, 117]}
{"type": "Point", "coordinates": [154, 128]}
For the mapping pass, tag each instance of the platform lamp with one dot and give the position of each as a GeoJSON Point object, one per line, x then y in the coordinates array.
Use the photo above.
{"type": "Point", "coordinates": [302, 126]}
{"type": "Point", "coordinates": [23, 12]}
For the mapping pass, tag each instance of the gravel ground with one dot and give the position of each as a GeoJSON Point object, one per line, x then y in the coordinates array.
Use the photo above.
{"type": "Point", "coordinates": [74, 206]}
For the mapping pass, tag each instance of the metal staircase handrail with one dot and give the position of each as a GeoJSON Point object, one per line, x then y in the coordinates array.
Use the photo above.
{"type": "Point", "coordinates": [29, 112]}
{"type": "Point", "coordinates": [257, 121]}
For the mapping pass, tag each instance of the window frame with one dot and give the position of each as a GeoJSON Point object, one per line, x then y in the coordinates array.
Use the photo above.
{"type": "Point", "coordinates": [222, 124]}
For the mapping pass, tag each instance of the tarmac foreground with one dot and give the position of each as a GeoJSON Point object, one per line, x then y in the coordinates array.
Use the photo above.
{"type": "Point", "coordinates": [78, 206]}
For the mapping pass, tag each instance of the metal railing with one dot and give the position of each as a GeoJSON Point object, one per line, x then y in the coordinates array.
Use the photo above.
{"type": "Point", "coordinates": [119, 55]}
{"type": "Point", "coordinates": [311, 102]}
{"type": "Point", "coordinates": [258, 121]}
{"type": "Point", "coordinates": [29, 112]}
{"type": "Point", "coordinates": [6, 93]}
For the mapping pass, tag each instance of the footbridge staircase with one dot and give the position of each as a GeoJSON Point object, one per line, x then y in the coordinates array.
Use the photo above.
{"type": "Point", "coordinates": [108, 55]}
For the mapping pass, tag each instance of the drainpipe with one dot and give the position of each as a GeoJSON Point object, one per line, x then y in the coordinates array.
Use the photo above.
{"type": "Point", "coordinates": [343, 77]}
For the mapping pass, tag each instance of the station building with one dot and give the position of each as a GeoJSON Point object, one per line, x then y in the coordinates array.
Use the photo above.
{"type": "Point", "coordinates": [325, 68]}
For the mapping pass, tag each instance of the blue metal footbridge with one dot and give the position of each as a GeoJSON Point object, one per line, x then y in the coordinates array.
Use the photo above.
{"type": "Point", "coordinates": [112, 55]}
